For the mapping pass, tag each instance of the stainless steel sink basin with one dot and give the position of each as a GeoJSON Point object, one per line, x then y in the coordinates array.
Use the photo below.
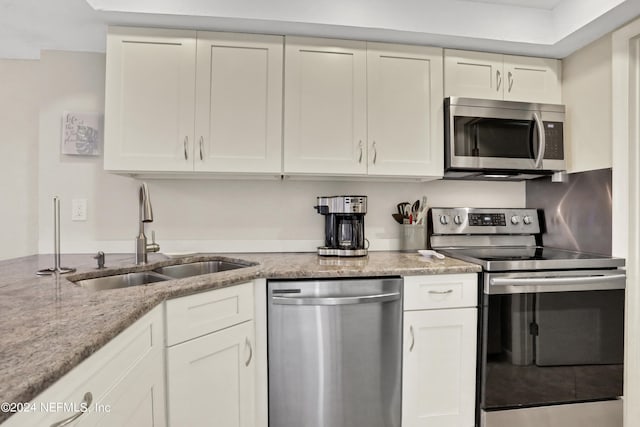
{"type": "Point", "coordinates": [197, 268]}
{"type": "Point", "coordinates": [121, 281]}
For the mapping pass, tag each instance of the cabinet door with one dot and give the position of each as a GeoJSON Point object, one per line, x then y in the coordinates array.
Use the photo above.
{"type": "Point", "coordinates": [211, 379]}
{"type": "Point", "coordinates": [238, 103]}
{"type": "Point", "coordinates": [149, 104]}
{"type": "Point", "coordinates": [532, 79]}
{"type": "Point", "coordinates": [138, 400]}
{"type": "Point", "coordinates": [325, 106]}
{"type": "Point", "coordinates": [404, 110]}
{"type": "Point", "coordinates": [439, 368]}
{"type": "Point", "coordinates": [473, 74]}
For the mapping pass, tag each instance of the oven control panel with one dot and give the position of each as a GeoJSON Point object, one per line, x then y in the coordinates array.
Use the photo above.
{"type": "Point", "coordinates": [484, 221]}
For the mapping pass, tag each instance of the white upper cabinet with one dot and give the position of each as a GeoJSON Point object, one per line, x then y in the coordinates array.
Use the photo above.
{"type": "Point", "coordinates": [357, 108]}
{"type": "Point", "coordinates": [473, 74]}
{"type": "Point", "coordinates": [149, 100]}
{"type": "Point", "coordinates": [532, 79]}
{"type": "Point", "coordinates": [325, 116]}
{"type": "Point", "coordinates": [166, 113]}
{"type": "Point", "coordinates": [238, 103]}
{"type": "Point", "coordinates": [495, 76]}
{"type": "Point", "coordinates": [404, 110]}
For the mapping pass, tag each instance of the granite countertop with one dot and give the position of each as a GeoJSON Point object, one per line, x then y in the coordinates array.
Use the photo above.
{"type": "Point", "coordinates": [48, 325]}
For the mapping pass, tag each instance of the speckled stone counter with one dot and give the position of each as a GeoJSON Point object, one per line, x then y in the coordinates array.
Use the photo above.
{"type": "Point", "coordinates": [48, 324]}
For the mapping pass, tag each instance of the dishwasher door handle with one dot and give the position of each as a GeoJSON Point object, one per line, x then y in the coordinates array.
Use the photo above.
{"type": "Point", "coordinates": [360, 299]}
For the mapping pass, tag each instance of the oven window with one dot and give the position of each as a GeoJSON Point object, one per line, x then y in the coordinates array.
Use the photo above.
{"type": "Point", "coordinates": [555, 347]}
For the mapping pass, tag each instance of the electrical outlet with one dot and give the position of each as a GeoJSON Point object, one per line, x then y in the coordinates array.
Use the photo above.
{"type": "Point", "coordinates": [79, 210]}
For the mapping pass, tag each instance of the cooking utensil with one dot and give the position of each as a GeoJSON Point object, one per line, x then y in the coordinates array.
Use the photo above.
{"type": "Point", "coordinates": [415, 208]}
{"type": "Point", "coordinates": [404, 209]}
{"type": "Point", "coordinates": [399, 218]}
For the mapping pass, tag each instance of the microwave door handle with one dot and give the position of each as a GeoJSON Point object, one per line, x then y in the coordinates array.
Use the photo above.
{"type": "Point", "coordinates": [541, 140]}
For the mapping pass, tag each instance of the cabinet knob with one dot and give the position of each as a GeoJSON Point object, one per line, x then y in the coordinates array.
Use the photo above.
{"type": "Point", "coordinates": [186, 145]}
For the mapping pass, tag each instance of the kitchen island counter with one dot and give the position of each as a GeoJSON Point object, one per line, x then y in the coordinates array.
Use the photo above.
{"type": "Point", "coordinates": [48, 325]}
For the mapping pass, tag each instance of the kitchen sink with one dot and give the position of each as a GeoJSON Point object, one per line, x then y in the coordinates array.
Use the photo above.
{"type": "Point", "coordinates": [197, 268]}
{"type": "Point", "coordinates": [121, 281]}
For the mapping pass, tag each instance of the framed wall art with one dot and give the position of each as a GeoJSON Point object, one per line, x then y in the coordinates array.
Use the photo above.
{"type": "Point", "coordinates": [81, 133]}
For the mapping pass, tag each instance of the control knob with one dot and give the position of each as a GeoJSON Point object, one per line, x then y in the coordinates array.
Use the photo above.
{"type": "Point", "coordinates": [515, 220]}
{"type": "Point", "coordinates": [527, 220]}
{"type": "Point", "coordinates": [444, 220]}
{"type": "Point", "coordinates": [457, 219]}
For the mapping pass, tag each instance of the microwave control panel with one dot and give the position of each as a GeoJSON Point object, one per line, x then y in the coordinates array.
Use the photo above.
{"type": "Point", "coordinates": [554, 147]}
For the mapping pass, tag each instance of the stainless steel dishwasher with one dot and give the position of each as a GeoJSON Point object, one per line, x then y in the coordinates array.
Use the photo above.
{"type": "Point", "coordinates": [335, 352]}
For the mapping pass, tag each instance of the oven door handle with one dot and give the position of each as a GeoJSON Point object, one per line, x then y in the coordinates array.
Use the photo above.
{"type": "Point", "coordinates": [556, 284]}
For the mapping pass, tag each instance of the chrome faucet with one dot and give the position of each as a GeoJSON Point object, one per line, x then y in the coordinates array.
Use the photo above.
{"type": "Point", "coordinates": [146, 215]}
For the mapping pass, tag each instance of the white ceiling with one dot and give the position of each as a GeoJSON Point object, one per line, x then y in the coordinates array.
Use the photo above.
{"type": "Point", "coordinates": [539, 4]}
{"type": "Point", "coordinates": [553, 28]}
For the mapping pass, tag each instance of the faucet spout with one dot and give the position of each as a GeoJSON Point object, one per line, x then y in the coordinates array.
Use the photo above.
{"type": "Point", "coordinates": [146, 215]}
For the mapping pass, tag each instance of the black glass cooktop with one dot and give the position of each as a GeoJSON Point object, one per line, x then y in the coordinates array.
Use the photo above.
{"type": "Point", "coordinates": [532, 258]}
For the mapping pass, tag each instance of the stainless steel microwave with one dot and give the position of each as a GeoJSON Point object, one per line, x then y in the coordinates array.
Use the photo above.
{"type": "Point", "coordinates": [502, 140]}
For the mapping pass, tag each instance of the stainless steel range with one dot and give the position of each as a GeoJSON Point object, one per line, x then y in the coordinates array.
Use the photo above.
{"type": "Point", "coordinates": [551, 334]}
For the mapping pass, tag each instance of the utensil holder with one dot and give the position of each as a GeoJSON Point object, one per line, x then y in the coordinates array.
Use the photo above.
{"type": "Point", "coordinates": [413, 237]}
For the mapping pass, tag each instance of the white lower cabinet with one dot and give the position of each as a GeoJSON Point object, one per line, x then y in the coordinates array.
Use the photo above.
{"type": "Point", "coordinates": [211, 379]}
{"type": "Point", "coordinates": [211, 371]}
{"type": "Point", "coordinates": [125, 380]}
{"type": "Point", "coordinates": [439, 355]}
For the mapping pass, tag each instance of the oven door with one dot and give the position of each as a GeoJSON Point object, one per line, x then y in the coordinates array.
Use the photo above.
{"type": "Point", "coordinates": [551, 337]}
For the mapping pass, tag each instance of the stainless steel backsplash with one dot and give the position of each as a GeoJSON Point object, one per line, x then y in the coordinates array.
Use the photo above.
{"type": "Point", "coordinates": [577, 214]}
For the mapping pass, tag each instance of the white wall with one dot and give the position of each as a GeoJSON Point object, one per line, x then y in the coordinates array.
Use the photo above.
{"type": "Point", "coordinates": [626, 198]}
{"type": "Point", "coordinates": [586, 91]}
{"type": "Point", "coordinates": [18, 158]}
{"type": "Point", "coordinates": [199, 214]}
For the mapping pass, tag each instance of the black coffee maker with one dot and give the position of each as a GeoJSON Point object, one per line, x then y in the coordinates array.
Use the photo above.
{"type": "Point", "coordinates": [343, 225]}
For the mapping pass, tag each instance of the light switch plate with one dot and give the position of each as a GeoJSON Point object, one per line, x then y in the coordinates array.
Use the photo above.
{"type": "Point", "coordinates": [79, 210]}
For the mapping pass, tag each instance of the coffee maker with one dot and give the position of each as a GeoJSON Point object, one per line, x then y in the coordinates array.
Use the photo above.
{"type": "Point", "coordinates": [343, 225]}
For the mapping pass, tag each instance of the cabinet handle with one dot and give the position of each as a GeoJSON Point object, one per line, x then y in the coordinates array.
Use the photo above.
{"type": "Point", "coordinates": [185, 145]}
{"type": "Point", "coordinates": [375, 152]}
{"type": "Point", "coordinates": [498, 80]}
{"type": "Point", "coordinates": [84, 406]}
{"type": "Point", "coordinates": [413, 338]}
{"type": "Point", "coordinates": [361, 151]}
{"type": "Point", "coordinates": [448, 291]}
{"type": "Point", "coordinates": [248, 344]}
{"type": "Point", "coordinates": [201, 142]}
{"type": "Point", "coordinates": [510, 80]}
